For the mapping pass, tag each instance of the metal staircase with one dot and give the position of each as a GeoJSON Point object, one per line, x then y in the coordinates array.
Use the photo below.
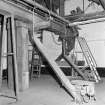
{"type": "Point", "coordinates": [89, 58]}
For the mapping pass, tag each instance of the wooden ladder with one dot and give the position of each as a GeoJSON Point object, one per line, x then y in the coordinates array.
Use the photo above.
{"type": "Point", "coordinates": [36, 64]}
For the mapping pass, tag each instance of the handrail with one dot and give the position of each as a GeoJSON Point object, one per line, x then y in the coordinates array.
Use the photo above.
{"type": "Point", "coordinates": [93, 59]}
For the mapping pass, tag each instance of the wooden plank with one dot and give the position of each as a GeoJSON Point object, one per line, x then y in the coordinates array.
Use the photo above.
{"type": "Point", "coordinates": [41, 25]}
{"type": "Point", "coordinates": [9, 57]}
{"type": "Point", "coordinates": [52, 26]}
{"type": "Point", "coordinates": [1, 47]}
{"type": "Point", "coordinates": [65, 81]}
{"type": "Point", "coordinates": [15, 70]}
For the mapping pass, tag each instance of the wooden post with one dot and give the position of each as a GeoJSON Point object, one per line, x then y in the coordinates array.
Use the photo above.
{"type": "Point", "coordinates": [15, 68]}
{"type": "Point", "coordinates": [1, 41]}
{"type": "Point", "coordinates": [22, 54]}
{"type": "Point", "coordinates": [9, 56]}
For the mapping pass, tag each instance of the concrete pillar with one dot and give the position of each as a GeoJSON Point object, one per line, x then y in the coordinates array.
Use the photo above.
{"type": "Point", "coordinates": [22, 54]}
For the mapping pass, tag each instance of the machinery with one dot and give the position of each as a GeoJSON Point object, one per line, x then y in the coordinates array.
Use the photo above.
{"type": "Point", "coordinates": [67, 30]}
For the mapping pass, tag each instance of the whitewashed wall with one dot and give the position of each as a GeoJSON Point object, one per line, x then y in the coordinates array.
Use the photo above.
{"type": "Point", "coordinates": [95, 36]}
{"type": "Point", "coordinates": [48, 41]}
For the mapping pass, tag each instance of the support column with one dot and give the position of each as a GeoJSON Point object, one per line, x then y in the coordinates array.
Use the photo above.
{"type": "Point", "coordinates": [10, 56]}
{"type": "Point", "coordinates": [1, 42]}
{"type": "Point", "coordinates": [22, 54]}
{"type": "Point", "coordinates": [61, 8]}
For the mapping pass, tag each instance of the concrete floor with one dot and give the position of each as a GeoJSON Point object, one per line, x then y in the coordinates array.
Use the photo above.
{"type": "Point", "coordinates": [46, 91]}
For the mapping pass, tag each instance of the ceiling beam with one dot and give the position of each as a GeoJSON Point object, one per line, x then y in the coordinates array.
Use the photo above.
{"type": "Point", "coordinates": [85, 17]}
{"type": "Point", "coordinates": [18, 11]}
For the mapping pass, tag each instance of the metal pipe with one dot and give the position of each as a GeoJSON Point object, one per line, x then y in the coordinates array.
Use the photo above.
{"type": "Point", "coordinates": [87, 22]}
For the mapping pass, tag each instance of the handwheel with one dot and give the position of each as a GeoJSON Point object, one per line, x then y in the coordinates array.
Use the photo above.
{"type": "Point", "coordinates": [85, 98]}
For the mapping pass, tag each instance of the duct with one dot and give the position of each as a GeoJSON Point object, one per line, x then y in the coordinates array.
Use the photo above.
{"type": "Point", "coordinates": [87, 22]}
